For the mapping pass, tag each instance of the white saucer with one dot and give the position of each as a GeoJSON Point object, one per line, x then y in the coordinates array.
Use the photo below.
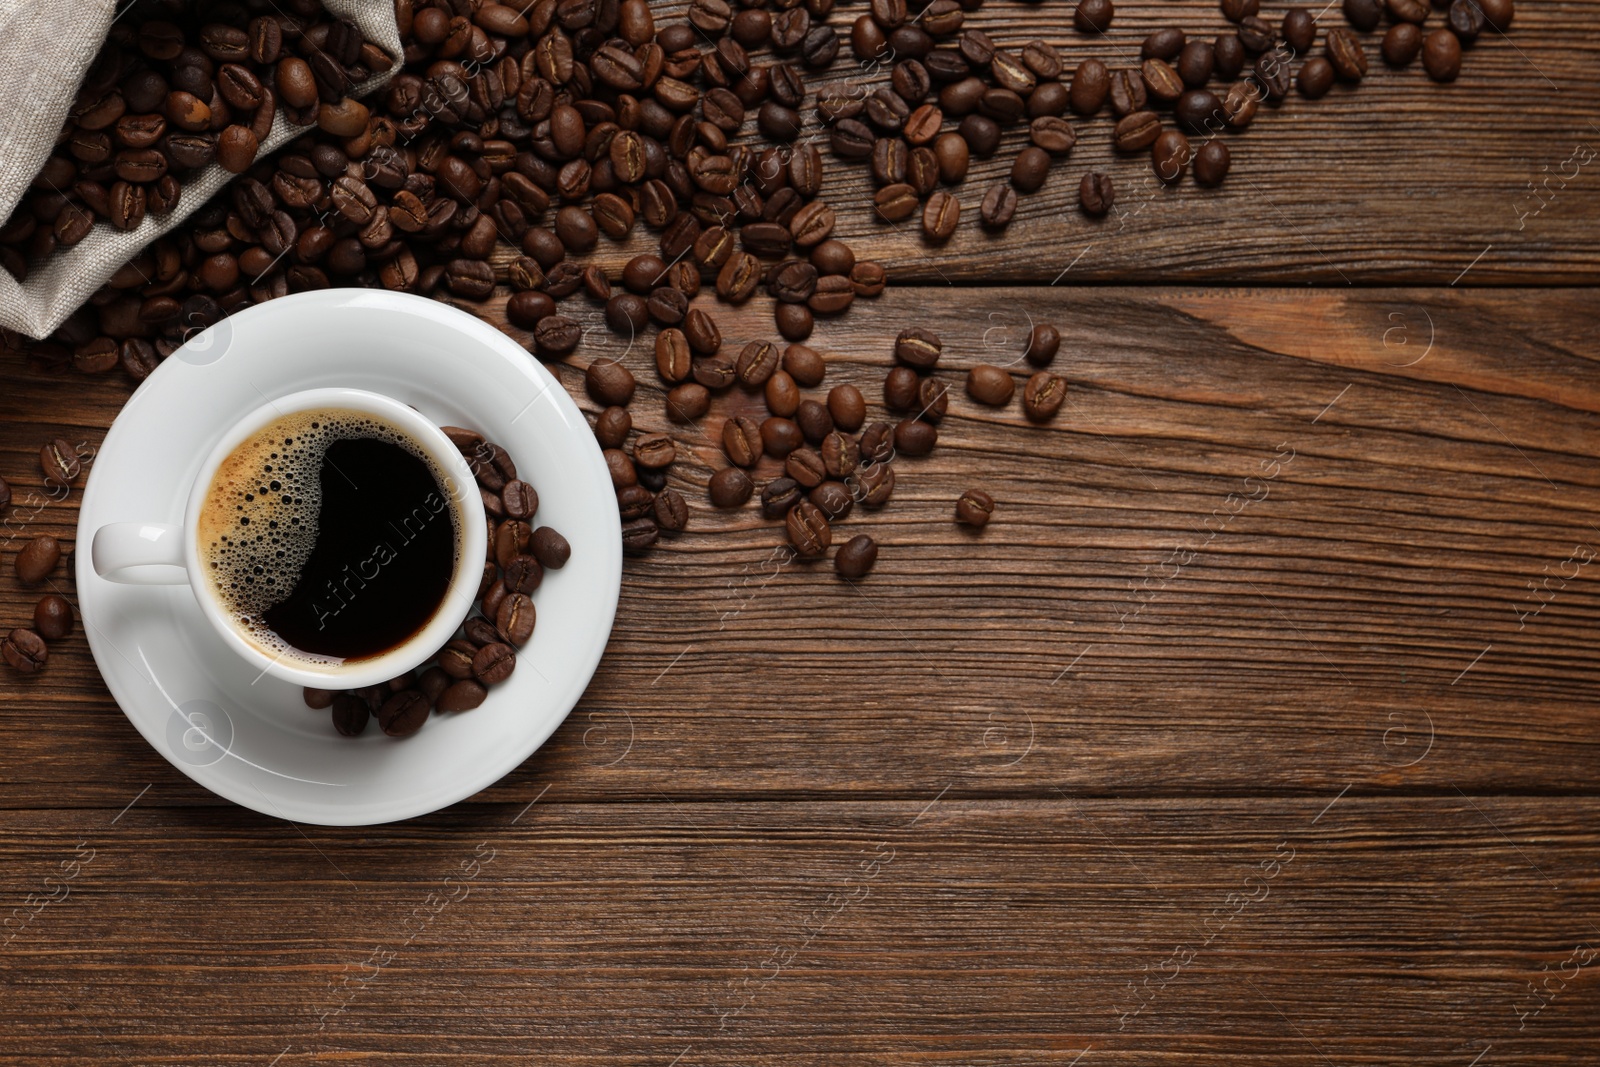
{"type": "Point", "coordinates": [253, 740]}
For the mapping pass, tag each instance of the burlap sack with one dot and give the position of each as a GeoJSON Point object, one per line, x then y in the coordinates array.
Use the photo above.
{"type": "Point", "coordinates": [45, 48]}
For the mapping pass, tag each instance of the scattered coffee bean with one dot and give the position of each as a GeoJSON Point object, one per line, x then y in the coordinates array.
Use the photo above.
{"type": "Point", "coordinates": [856, 557]}
{"type": "Point", "coordinates": [53, 617]}
{"type": "Point", "coordinates": [808, 529]}
{"type": "Point", "coordinates": [1441, 55]}
{"type": "Point", "coordinates": [1096, 194]}
{"type": "Point", "coordinates": [730, 487]}
{"type": "Point", "coordinates": [37, 559]}
{"type": "Point", "coordinates": [990, 385]}
{"type": "Point", "coordinates": [975, 508]}
{"type": "Point", "coordinates": [1042, 396]}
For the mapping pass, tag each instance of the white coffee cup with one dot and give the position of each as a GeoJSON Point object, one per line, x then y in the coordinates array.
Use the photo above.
{"type": "Point", "coordinates": [143, 553]}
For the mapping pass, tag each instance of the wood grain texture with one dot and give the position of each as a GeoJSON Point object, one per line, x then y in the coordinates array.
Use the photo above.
{"type": "Point", "coordinates": [1396, 181]}
{"type": "Point", "coordinates": [1274, 543]}
{"type": "Point", "coordinates": [1312, 930]}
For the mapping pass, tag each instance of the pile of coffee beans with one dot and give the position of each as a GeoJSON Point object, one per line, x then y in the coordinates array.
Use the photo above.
{"type": "Point", "coordinates": [28, 651]}
{"type": "Point", "coordinates": [553, 126]}
{"type": "Point", "coordinates": [177, 88]}
{"type": "Point", "coordinates": [484, 653]}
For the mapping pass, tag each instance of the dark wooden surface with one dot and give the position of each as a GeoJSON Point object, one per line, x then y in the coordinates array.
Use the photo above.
{"type": "Point", "coordinates": [1141, 774]}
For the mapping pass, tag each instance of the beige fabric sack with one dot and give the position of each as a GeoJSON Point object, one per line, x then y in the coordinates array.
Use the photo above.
{"type": "Point", "coordinates": [46, 46]}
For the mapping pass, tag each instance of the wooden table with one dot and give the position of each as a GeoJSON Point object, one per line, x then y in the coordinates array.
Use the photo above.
{"type": "Point", "coordinates": [1259, 727]}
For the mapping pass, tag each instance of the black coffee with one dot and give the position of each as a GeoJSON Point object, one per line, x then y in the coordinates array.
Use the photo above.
{"type": "Point", "coordinates": [329, 535]}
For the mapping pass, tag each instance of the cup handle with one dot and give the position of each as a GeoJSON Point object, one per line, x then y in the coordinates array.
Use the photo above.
{"type": "Point", "coordinates": [139, 553]}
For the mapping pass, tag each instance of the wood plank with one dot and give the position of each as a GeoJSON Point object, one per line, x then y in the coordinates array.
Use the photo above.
{"type": "Point", "coordinates": [1399, 180]}
{"type": "Point", "coordinates": [1355, 623]}
{"type": "Point", "coordinates": [1002, 933]}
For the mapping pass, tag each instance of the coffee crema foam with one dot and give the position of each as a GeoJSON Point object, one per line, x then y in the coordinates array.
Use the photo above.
{"type": "Point", "coordinates": [259, 523]}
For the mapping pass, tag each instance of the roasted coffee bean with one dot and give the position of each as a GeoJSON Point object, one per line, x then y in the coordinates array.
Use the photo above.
{"type": "Point", "coordinates": [933, 400]}
{"type": "Point", "coordinates": [913, 437]}
{"type": "Point", "coordinates": [783, 396]}
{"type": "Point", "coordinates": [730, 487]}
{"type": "Point", "coordinates": [1346, 55]}
{"type": "Point", "coordinates": [900, 388]}
{"type": "Point", "coordinates": [805, 466]}
{"type": "Point", "coordinates": [654, 451]}
{"type": "Point", "coordinates": [1053, 134]}
{"type": "Point", "coordinates": [1315, 78]}
{"type": "Point", "coordinates": [611, 427]}
{"type": "Point", "coordinates": [940, 215]}
{"type": "Point", "coordinates": [990, 385]}
{"type": "Point", "coordinates": [1042, 396]}
{"type": "Point", "coordinates": [840, 454]}
{"type": "Point", "coordinates": [494, 663]}
{"type": "Point", "coordinates": [1096, 194]}
{"type": "Point", "coordinates": [687, 402]}
{"type": "Point", "coordinates": [975, 508]}
{"type": "Point", "coordinates": [1127, 92]}
{"type": "Point", "coordinates": [1402, 44]}
{"type": "Point", "coordinates": [757, 361]}
{"type": "Point", "coordinates": [741, 440]}
{"type": "Point", "coordinates": [1200, 111]}
{"type": "Point", "coordinates": [519, 500]}
{"type": "Point", "coordinates": [1299, 29]}
{"type": "Point", "coordinates": [404, 713]}
{"type": "Point", "coordinates": [26, 651]}
{"type": "Point", "coordinates": [1030, 168]}
{"type": "Point", "coordinates": [634, 501]}
{"type": "Point", "coordinates": [609, 382]}
{"type": "Point", "coordinates": [515, 619]}
{"type": "Point", "coordinates": [1093, 16]}
{"type": "Point", "coordinates": [52, 617]}
{"type": "Point", "coordinates": [1161, 82]}
{"type": "Point", "coordinates": [1227, 56]}
{"type": "Point", "coordinates": [463, 695]}
{"type": "Point", "coordinates": [1441, 56]}
{"type": "Point", "coordinates": [917, 347]}
{"type": "Point", "coordinates": [36, 559]}
{"type": "Point", "coordinates": [1498, 13]}
{"type": "Point", "coordinates": [1136, 131]}
{"type": "Point", "coordinates": [714, 373]}
{"type": "Point", "coordinates": [1091, 84]}
{"type": "Point", "coordinates": [671, 511]}
{"type": "Point", "coordinates": [350, 714]}
{"type": "Point", "coordinates": [1256, 34]}
{"type": "Point", "coordinates": [1196, 62]}
{"type": "Point", "coordinates": [780, 436]}
{"type": "Point", "coordinates": [318, 699]}
{"type": "Point", "coordinates": [1363, 14]}
{"type": "Point", "coordinates": [877, 443]}
{"type": "Point", "coordinates": [59, 462]}
{"type": "Point", "coordinates": [952, 155]}
{"type": "Point", "coordinates": [808, 529]}
{"type": "Point", "coordinates": [1240, 104]}
{"type": "Point", "coordinates": [848, 407]}
{"type": "Point", "coordinates": [1044, 341]}
{"type": "Point", "coordinates": [833, 500]}
{"type": "Point", "coordinates": [1170, 156]}
{"type": "Point", "coordinates": [873, 483]}
{"type": "Point", "coordinates": [1408, 10]}
{"type": "Point", "coordinates": [895, 202]}
{"type": "Point", "coordinates": [999, 205]}
{"type": "Point", "coordinates": [701, 333]}
{"type": "Point", "coordinates": [455, 659]}
{"type": "Point", "coordinates": [480, 631]}
{"type": "Point", "coordinates": [778, 496]}
{"type": "Point", "coordinates": [814, 421]}
{"type": "Point", "coordinates": [550, 548]}
{"type": "Point", "coordinates": [1211, 163]}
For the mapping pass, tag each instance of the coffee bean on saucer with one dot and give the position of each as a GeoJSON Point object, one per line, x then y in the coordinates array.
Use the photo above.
{"type": "Point", "coordinates": [455, 659]}
{"type": "Point", "coordinates": [463, 695]}
{"type": "Point", "coordinates": [434, 681]}
{"type": "Point", "coordinates": [519, 499]}
{"type": "Point", "coordinates": [525, 572]}
{"type": "Point", "coordinates": [514, 619]}
{"type": "Point", "coordinates": [550, 548]}
{"type": "Point", "coordinates": [856, 557]}
{"type": "Point", "coordinates": [37, 559]}
{"type": "Point", "coordinates": [480, 631]}
{"type": "Point", "coordinates": [319, 699]}
{"type": "Point", "coordinates": [404, 713]}
{"type": "Point", "coordinates": [350, 714]}
{"type": "Point", "coordinates": [494, 663]}
{"type": "Point", "coordinates": [975, 507]}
